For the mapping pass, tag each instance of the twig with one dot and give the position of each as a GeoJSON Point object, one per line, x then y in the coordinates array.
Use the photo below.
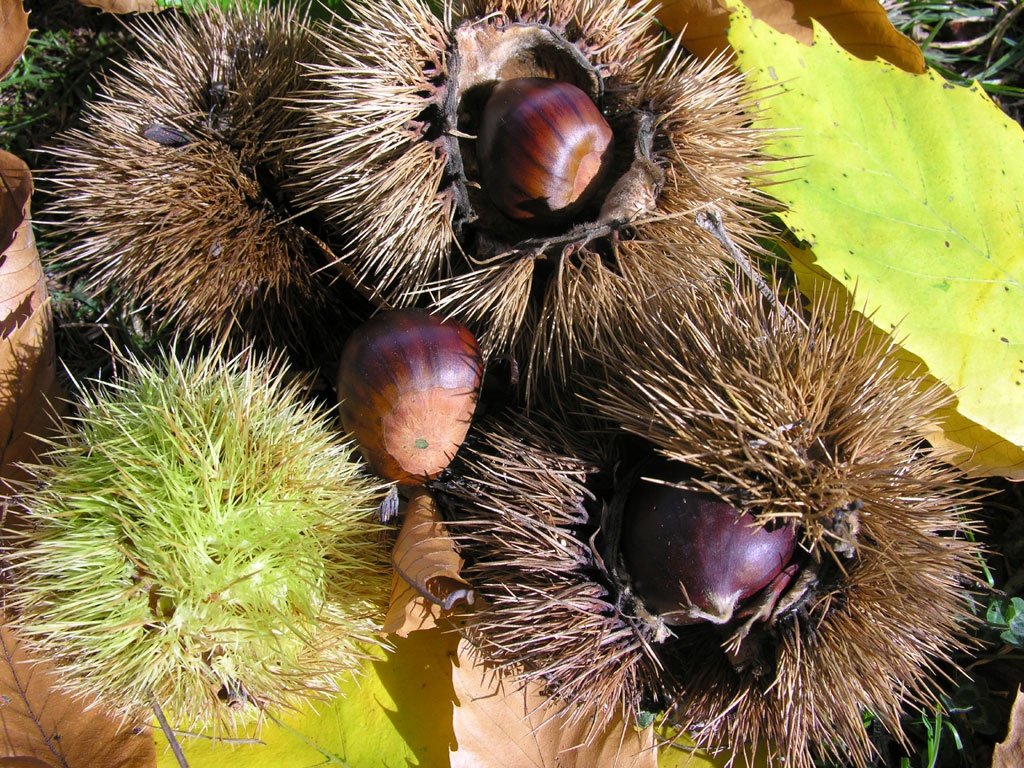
{"type": "Point", "coordinates": [233, 741]}
{"type": "Point", "coordinates": [240, 689]}
{"type": "Point", "coordinates": [710, 220]}
{"type": "Point", "coordinates": [371, 295]}
{"type": "Point", "coordinates": [179, 755]}
{"type": "Point", "coordinates": [331, 757]}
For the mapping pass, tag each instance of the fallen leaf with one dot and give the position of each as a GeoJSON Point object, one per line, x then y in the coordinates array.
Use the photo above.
{"type": "Point", "coordinates": [17, 183]}
{"type": "Point", "coordinates": [860, 26]}
{"type": "Point", "coordinates": [1009, 753]}
{"type": "Point", "coordinates": [41, 723]}
{"type": "Point", "coordinates": [28, 382]}
{"type": "Point", "coordinates": [397, 713]}
{"type": "Point", "coordinates": [13, 34]}
{"type": "Point", "coordinates": [978, 449]}
{"type": "Point", "coordinates": [499, 723]}
{"type": "Point", "coordinates": [427, 584]}
{"type": "Point", "coordinates": [408, 610]}
{"type": "Point", "coordinates": [683, 754]}
{"type": "Point", "coordinates": [123, 6]}
{"type": "Point", "coordinates": [677, 750]}
{"type": "Point", "coordinates": [906, 190]}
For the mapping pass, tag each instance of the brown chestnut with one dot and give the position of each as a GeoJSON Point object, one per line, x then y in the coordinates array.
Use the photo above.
{"type": "Point", "coordinates": [692, 557]}
{"type": "Point", "coordinates": [407, 386]}
{"type": "Point", "coordinates": [543, 148]}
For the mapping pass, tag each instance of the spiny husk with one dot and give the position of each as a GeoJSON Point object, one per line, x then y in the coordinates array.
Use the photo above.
{"type": "Point", "coordinates": [784, 417]}
{"type": "Point", "coordinates": [365, 162]}
{"type": "Point", "coordinates": [203, 539]}
{"type": "Point", "coordinates": [387, 161]}
{"type": "Point", "coordinates": [171, 189]}
{"type": "Point", "coordinates": [523, 512]}
{"type": "Point", "coordinates": [811, 420]}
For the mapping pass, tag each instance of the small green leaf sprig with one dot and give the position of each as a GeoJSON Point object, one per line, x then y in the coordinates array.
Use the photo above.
{"type": "Point", "coordinates": [202, 539]}
{"type": "Point", "coordinates": [1006, 615]}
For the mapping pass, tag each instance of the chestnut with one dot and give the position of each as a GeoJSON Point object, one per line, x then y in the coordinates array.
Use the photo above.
{"type": "Point", "coordinates": [693, 557]}
{"type": "Point", "coordinates": [543, 149]}
{"type": "Point", "coordinates": [407, 385]}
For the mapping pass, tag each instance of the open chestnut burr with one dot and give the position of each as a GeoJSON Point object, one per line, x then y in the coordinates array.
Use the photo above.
{"type": "Point", "coordinates": [505, 164]}
{"type": "Point", "coordinates": [737, 528]}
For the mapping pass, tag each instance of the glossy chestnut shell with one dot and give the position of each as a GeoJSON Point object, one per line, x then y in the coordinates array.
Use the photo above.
{"type": "Point", "coordinates": [407, 387]}
{"type": "Point", "coordinates": [692, 557]}
{"type": "Point", "coordinates": [543, 148]}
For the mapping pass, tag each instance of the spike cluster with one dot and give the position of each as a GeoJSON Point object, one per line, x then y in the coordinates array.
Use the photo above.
{"type": "Point", "coordinates": [201, 538]}
{"type": "Point", "coordinates": [172, 188]}
{"type": "Point", "coordinates": [402, 158]}
{"type": "Point", "coordinates": [798, 422]}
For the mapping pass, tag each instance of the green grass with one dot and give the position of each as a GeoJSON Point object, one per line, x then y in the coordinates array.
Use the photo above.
{"type": "Point", "coordinates": [971, 40]}
{"type": "Point", "coordinates": [47, 87]}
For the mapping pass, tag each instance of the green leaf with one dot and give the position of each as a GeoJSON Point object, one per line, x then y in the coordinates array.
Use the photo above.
{"type": "Point", "coordinates": [1017, 625]}
{"type": "Point", "coordinates": [906, 189]}
{"type": "Point", "coordinates": [1010, 638]}
{"type": "Point", "coordinates": [996, 614]}
{"type": "Point", "coordinates": [397, 714]}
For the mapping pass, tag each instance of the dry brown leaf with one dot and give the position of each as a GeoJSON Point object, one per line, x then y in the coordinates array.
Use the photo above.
{"type": "Point", "coordinates": [860, 26]}
{"type": "Point", "coordinates": [13, 34]}
{"type": "Point", "coordinates": [123, 6]}
{"type": "Point", "coordinates": [28, 382]}
{"type": "Point", "coordinates": [497, 723]}
{"type": "Point", "coordinates": [427, 584]}
{"type": "Point", "coordinates": [408, 610]}
{"type": "Point", "coordinates": [40, 722]}
{"type": "Point", "coordinates": [1010, 752]}
{"type": "Point", "coordinates": [23, 762]}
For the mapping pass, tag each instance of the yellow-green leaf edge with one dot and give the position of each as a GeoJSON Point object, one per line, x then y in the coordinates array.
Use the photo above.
{"type": "Point", "coordinates": [904, 191]}
{"type": "Point", "coordinates": [398, 713]}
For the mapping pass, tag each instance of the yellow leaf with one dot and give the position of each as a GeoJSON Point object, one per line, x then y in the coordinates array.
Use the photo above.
{"type": "Point", "coordinates": [905, 193]}
{"type": "Point", "coordinates": [397, 713]}
{"type": "Point", "coordinates": [979, 450]}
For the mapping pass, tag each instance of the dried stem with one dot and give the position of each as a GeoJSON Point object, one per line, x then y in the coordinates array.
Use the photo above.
{"type": "Point", "coordinates": [233, 741]}
{"type": "Point", "coordinates": [331, 758]}
{"type": "Point", "coordinates": [179, 755]}
{"type": "Point", "coordinates": [710, 219]}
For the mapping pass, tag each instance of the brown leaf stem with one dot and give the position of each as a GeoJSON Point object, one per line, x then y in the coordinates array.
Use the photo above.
{"type": "Point", "coordinates": [172, 740]}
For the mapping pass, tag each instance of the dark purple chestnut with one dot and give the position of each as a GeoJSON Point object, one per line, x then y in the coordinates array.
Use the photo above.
{"type": "Point", "coordinates": [407, 387]}
{"type": "Point", "coordinates": [692, 557]}
{"type": "Point", "coordinates": [543, 148]}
